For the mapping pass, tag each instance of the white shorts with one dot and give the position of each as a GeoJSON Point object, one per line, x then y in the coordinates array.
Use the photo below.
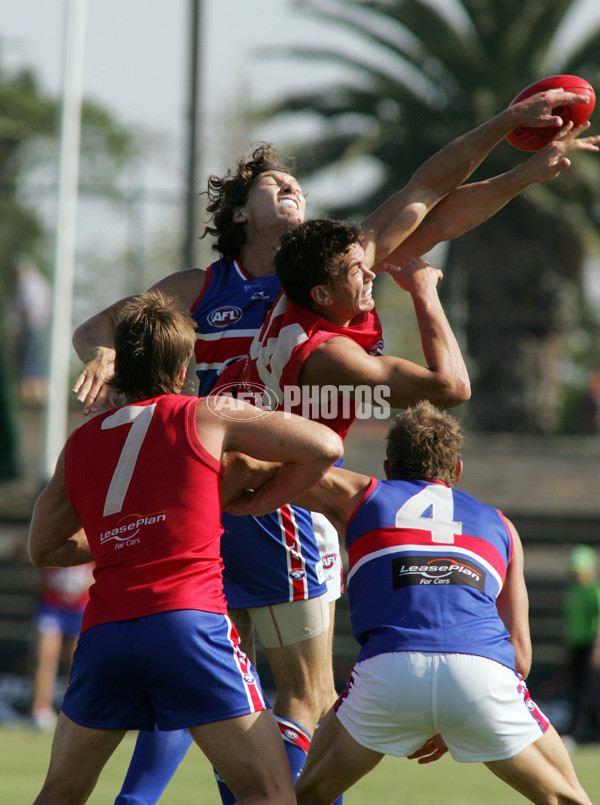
{"type": "Point", "coordinates": [328, 544]}
{"type": "Point", "coordinates": [395, 702]}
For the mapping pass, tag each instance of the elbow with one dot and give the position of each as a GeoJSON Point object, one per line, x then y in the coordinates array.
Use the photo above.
{"type": "Point", "coordinates": [523, 662]}
{"type": "Point", "coordinates": [36, 557]}
{"type": "Point", "coordinates": [334, 447]}
{"type": "Point", "coordinates": [457, 392]}
{"type": "Point", "coordinates": [463, 391]}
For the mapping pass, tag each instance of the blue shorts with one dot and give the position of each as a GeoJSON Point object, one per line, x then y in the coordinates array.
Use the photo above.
{"type": "Point", "coordinates": [56, 620]}
{"type": "Point", "coordinates": [176, 669]}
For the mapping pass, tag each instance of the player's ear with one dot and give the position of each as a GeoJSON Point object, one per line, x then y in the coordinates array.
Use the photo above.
{"type": "Point", "coordinates": [239, 215]}
{"type": "Point", "coordinates": [320, 295]}
{"type": "Point", "coordinates": [457, 472]}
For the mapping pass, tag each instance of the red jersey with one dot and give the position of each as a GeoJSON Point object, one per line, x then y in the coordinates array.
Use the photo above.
{"type": "Point", "coordinates": [278, 353]}
{"type": "Point", "coordinates": [149, 498]}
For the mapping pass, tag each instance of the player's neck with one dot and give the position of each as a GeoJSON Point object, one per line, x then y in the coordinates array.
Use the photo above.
{"type": "Point", "coordinates": [257, 256]}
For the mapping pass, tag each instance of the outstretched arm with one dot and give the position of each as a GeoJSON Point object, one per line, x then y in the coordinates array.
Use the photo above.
{"type": "Point", "coordinates": [94, 343]}
{"type": "Point", "coordinates": [469, 205]}
{"type": "Point", "coordinates": [304, 449]}
{"type": "Point", "coordinates": [336, 496]}
{"type": "Point", "coordinates": [444, 380]}
{"type": "Point", "coordinates": [392, 223]}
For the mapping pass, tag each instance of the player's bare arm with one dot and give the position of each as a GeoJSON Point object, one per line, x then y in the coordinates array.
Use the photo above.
{"type": "Point", "coordinates": [93, 339]}
{"type": "Point", "coordinates": [444, 379]}
{"type": "Point", "coordinates": [469, 205]}
{"type": "Point", "coordinates": [56, 538]}
{"type": "Point", "coordinates": [513, 606]}
{"type": "Point", "coordinates": [305, 449]}
{"type": "Point", "coordinates": [391, 223]}
{"type": "Point", "coordinates": [336, 495]}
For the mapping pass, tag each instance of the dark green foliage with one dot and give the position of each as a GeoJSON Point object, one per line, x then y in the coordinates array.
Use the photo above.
{"type": "Point", "coordinates": [420, 76]}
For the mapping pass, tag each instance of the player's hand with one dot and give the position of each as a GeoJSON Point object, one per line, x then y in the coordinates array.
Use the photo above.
{"type": "Point", "coordinates": [537, 109]}
{"type": "Point", "coordinates": [91, 386]}
{"type": "Point", "coordinates": [433, 749]}
{"type": "Point", "coordinates": [242, 503]}
{"type": "Point", "coordinates": [551, 160]}
{"type": "Point", "coordinates": [415, 274]}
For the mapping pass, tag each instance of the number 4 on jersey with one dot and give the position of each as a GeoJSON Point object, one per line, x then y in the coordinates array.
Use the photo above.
{"type": "Point", "coordinates": [431, 509]}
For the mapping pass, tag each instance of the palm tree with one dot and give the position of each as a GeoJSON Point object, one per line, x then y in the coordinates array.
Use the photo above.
{"type": "Point", "coordinates": [418, 78]}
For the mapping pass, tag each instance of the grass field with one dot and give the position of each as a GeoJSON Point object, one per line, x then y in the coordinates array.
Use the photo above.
{"type": "Point", "coordinates": [24, 758]}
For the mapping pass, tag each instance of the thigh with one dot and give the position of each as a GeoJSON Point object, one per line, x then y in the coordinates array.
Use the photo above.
{"type": "Point", "coordinates": [542, 772]}
{"type": "Point", "coordinates": [48, 648]}
{"type": "Point", "coordinates": [77, 757]}
{"type": "Point", "coordinates": [250, 756]}
{"type": "Point", "coordinates": [292, 622]}
{"type": "Point", "coordinates": [335, 762]}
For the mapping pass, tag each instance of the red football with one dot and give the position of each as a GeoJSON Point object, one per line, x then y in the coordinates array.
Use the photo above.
{"type": "Point", "coordinates": [532, 138]}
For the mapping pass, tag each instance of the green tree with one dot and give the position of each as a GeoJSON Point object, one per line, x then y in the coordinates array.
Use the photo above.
{"type": "Point", "coordinates": [420, 76]}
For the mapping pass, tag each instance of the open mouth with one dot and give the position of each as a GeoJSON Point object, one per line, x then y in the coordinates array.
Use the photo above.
{"type": "Point", "coordinates": [289, 202]}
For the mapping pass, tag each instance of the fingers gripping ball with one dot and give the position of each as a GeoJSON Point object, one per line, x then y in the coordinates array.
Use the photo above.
{"type": "Point", "coordinates": [532, 138]}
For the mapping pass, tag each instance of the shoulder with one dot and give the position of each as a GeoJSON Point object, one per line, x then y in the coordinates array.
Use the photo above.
{"type": "Point", "coordinates": [336, 357]}
{"type": "Point", "coordinates": [184, 286]}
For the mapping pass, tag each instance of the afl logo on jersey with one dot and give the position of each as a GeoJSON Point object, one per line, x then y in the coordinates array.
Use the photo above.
{"type": "Point", "coordinates": [249, 679]}
{"type": "Point", "coordinates": [329, 560]}
{"type": "Point", "coordinates": [224, 316]}
{"type": "Point", "coordinates": [298, 574]}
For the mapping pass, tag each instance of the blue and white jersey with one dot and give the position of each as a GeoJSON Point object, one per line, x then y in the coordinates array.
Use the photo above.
{"type": "Point", "coordinates": [228, 313]}
{"type": "Point", "coordinates": [426, 565]}
{"type": "Point", "coordinates": [271, 559]}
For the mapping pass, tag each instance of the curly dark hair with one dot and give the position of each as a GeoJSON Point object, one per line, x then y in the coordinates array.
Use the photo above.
{"type": "Point", "coordinates": [423, 443]}
{"type": "Point", "coordinates": [226, 193]}
{"type": "Point", "coordinates": [310, 255]}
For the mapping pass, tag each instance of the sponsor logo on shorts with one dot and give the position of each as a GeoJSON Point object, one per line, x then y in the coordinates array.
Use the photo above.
{"type": "Point", "coordinates": [249, 679]}
{"type": "Point", "coordinates": [129, 527]}
{"type": "Point", "coordinates": [297, 574]}
{"type": "Point", "coordinates": [224, 316]}
{"type": "Point", "coordinates": [425, 571]}
{"type": "Point", "coordinates": [291, 734]}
